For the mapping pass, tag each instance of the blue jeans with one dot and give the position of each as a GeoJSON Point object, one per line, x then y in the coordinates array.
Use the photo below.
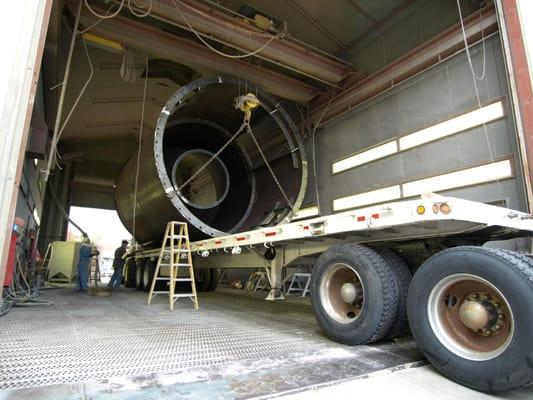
{"type": "Point", "coordinates": [116, 278]}
{"type": "Point", "coordinates": [83, 276]}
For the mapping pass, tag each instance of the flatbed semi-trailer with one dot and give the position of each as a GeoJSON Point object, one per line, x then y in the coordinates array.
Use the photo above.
{"type": "Point", "coordinates": [377, 271]}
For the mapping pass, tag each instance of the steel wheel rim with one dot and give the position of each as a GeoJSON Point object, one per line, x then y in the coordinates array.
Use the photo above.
{"type": "Point", "coordinates": [330, 293]}
{"type": "Point", "coordinates": [444, 304]}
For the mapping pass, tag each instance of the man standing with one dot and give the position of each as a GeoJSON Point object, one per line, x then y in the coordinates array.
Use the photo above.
{"type": "Point", "coordinates": [86, 253]}
{"type": "Point", "coordinates": [118, 265]}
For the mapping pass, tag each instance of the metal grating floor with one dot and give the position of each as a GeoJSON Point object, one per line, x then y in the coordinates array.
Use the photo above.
{"type": "Point", "coordinates": [83, 338]}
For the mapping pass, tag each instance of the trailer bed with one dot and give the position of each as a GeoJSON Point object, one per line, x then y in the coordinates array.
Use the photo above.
{"type": "Point", "coordinates": [430, 216]}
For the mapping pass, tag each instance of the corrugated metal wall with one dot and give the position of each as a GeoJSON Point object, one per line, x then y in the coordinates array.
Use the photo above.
{"type": "Point", "coordinates": [439, 94]}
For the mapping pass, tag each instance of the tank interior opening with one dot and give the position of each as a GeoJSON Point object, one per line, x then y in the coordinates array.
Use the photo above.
{"type": "Point", "coordinates": [200, 180]}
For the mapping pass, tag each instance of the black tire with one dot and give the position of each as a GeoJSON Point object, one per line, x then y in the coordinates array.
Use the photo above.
{"type": "Point", "coordinates": [380, 303]}
{"type": "Point", "coordinates": [129, 279]}
{"type": "Point", "coordinates": [400, 327]}
{"type": "Point", "coordinates": [148, 275]}
{"type": "Point", "coordinates": [139, 271]}
{"type": "Point", "coordinates": [215, 278]}
{"type": "Point", "coordinates": [498, 369]}
{"type": "Point", "coordinates": [202, 278]}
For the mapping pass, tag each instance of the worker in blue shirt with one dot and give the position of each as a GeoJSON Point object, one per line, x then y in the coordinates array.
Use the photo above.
{"type": "Point", "coordinates": [86, 253]}
{"type": "Point", "coordinates": [118, 266]}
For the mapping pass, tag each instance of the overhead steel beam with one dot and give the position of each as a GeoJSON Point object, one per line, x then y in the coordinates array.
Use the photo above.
{"type": "Point", "coordinates": [417, 60]}
{"type": "Point", "coordinates": [171, 47]}
{"type": "Point", "coordinates": [313, 21]}
{"type": "Point", "coordinates": [243, 36]}
{"type": "Point", "coordinates": [92, 187]}
{"type": "Point", "coordinates": [381, 23]}
{"type": "Point", "coordinates": [362, 11]}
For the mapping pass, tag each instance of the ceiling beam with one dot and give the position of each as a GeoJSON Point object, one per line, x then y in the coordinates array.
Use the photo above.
{"type": "Point", "coordinates": [377, 24]}
{"type": "Point", "coordinates": [362, 11]}
{"type": "Point", "coordinates": [92, 187]}
{"type": "Point", "coordinates": [313, 21]}
{"type": "Point", "coordinates": [183, 51]}
{"type": "Point", "coordinates": [334, 103]}
{"type": "Point", "coordinates": [234, 32]}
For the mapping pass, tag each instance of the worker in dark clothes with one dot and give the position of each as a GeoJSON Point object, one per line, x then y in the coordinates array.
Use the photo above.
{"type": "Point", "coordinates": [86, 253]}
{"type": "Point", "coordinates": [118, 265]}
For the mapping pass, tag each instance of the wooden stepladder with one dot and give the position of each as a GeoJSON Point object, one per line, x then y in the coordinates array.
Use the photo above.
{"type": "Point", "coordinates": [176, 255]}
{"type": "Point", "coordinates": [44, 266]}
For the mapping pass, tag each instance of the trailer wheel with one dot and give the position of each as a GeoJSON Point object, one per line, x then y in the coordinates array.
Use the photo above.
{"type": "Point", "coordinates": [139, 272]}
{"type": "Point", "coordinates": [202, 278]}
{"type": "Point", "coordinates": [470, 312]}
{"type": "Point", "coordinates": [213, 282]}
{"type": "Point", "coordinates": [148, 275]}
{"type": "Point", "coordinates": [400, 327]}
{"type": "Point", "coordinates": [129, 279]}
{"type": "Point", "coordinates": [354, 294]}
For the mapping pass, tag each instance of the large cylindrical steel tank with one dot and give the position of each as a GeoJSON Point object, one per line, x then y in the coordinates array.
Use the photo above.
{"type": "Point", "coordinates": [236, 191]}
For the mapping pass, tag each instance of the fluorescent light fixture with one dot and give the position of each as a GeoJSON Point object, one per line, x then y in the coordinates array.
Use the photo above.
{"type": "Point", "coordinates": [461, 123]}
{"type": "Point", "coordinates": [103, 43]}
{"type": "Point", "coordinates": [306, 212]}
{"type": "Point", "coordinates": [375, 196]}
{"type": "Point", "coordinates": [366, 156]}
{"type": "Point", "coordinates": [466, 177]}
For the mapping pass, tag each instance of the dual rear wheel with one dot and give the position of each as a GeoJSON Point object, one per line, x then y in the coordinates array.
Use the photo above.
{"type": "Point", "coordinates": [469, 308]}
{"type": "Point", "coordinates": [359, 294]}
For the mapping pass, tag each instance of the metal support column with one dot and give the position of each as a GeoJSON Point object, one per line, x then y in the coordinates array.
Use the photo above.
{"type": "Point", "coordinates": [276, 277]}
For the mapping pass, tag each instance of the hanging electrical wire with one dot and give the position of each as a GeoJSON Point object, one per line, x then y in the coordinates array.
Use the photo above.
{"type": "Point", "coordinates": [221, 53]}
{"type": "Point", "coordinates": [53, 146]}
{"type": "Point", "coordinates": [119, 9]}
{"type": "Point", "coordinates": [54, 154]}
{"type": "Point", "coordinates": [57, 156]}
{"type": "Point", "coordinates": [475, 77]}
{"type": "Point", "coordinates": [142, 14]}
{"type": "Point", "coordinates": [146, 6]}
{"type": "Point", "coordinates": [139, 142]}
{"type": "Point", "coordinates": [25, 284]}
{"type": "Point", "coordinates": [248, 32]}
{"type": "Point", "coordinates": [127, 68]}
{"type": "Point", "coordinates": [467, 47]}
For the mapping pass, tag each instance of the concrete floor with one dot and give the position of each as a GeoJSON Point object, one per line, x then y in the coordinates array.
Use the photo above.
{"type": "Point", "coordinates": [236, 346]}
{"type": "Point", "coordinates": [420, 383]}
